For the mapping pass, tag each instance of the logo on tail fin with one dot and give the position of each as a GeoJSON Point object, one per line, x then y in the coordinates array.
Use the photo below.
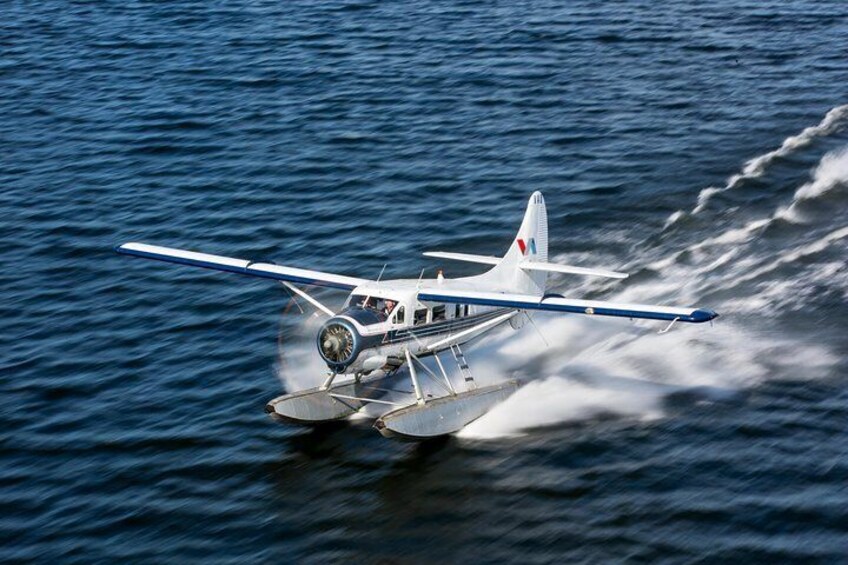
{"type": "Point", "coordinates": [525, 247]}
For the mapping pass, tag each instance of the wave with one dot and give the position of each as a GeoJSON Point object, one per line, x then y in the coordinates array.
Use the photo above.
{"type": "Point", "coordinates": [713, 253]}
{"type": "Point", "coordinates": [830, 174]}
{"type": "Point", "coordinates": [833, 121]}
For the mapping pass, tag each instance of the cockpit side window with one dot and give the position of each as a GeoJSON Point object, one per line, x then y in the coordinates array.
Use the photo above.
{"type": "Point", "coordinates": [439, 312]}
{"type": "Point", "coordinates": [377, 308]}
{"type": "Point", "coordinates": [420, 316]}
{"type": "Point", "coordinates": [400, 313]}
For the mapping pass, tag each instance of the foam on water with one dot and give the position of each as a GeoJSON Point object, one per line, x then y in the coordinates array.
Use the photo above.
{"type": "Point", "coordinates": [831, 174]}
{"type": "Point", "coordinates": [832, 122]}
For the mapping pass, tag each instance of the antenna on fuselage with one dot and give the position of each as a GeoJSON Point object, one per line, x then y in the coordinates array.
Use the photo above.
{"type": "Point", "coordinates": [380, 276]}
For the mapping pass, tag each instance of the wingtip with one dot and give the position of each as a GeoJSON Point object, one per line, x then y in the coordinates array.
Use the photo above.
{"type": "Point", "coordinates": [704, 315]}
{"type": "Point", "coordinates": [125, 247]}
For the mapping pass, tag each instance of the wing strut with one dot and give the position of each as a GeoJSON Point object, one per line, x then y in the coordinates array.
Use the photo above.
{"type": "Point", "coordinates": [451, 340]}
{"type": "Point", "coordinates": [308, 298]}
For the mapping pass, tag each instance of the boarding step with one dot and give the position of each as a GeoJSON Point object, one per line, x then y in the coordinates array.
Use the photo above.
{"type": "Point", "coordinates": [464, 369]}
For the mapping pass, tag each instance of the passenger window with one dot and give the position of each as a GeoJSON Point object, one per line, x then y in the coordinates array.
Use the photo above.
{"type": "Point", "coordinates": [399, 315]}
{"type": "Point", "coordinates": [466, 310]}
{"type": "Point", "coordinates": [420, 316]}
{"type": "Point", "coordinates": [456, 310]}
{"type": "Point", "coordinates": [439, 312]}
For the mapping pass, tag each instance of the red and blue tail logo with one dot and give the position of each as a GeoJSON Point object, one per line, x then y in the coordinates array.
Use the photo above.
{"type": "Point", "coordinates": [525, 247]}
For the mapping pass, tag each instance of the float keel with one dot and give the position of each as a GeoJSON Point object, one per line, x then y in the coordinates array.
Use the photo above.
{"type": "Point", "coordinates": [445, 415]}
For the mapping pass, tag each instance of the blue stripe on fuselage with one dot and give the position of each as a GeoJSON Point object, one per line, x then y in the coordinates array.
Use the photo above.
{"type": "Point", "coordinates": [428, 330]}
{"type": "Point", "coordinates": [698, 316]}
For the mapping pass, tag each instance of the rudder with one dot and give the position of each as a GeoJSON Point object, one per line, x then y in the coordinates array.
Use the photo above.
{"type": "Point", "coordinates": [531, 244]}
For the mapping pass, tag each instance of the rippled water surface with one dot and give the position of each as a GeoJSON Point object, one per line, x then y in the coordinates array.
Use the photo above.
{"type": "Point", "coordinates": [699, 146]}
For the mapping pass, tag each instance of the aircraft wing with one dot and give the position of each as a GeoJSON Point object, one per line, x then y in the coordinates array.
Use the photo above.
{"type": "Point", "coordinates": [556, 303]}
{"type": "Point", "coordinates": [240, 266]}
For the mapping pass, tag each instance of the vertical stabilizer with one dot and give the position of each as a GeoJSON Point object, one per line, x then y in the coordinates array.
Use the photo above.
{"type": "Point", "coordinates": [530, 244]}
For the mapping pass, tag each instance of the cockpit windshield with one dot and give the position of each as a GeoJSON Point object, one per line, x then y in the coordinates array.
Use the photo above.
{"type": "Point", "coordinates": [371, 309]}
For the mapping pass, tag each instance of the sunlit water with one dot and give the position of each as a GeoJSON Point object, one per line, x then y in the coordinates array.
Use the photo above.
{"type": "Point", "coordinates": [700, 148]}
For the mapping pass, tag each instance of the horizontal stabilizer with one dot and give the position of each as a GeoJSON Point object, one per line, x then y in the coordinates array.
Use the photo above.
{"type": "Point", "coordinates": [554, 268]}
{"type": "Point", "coordinates": [568, 305]}
{"type": "Point", "coordinates": [527, 265]}
{"type": "Point", "coordinates": [240, 266]}
{"type": "Point", "coordinates": [467, 257]}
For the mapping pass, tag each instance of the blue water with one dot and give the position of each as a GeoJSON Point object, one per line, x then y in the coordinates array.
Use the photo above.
{"type": "Point", "coordinates": [345, 135]}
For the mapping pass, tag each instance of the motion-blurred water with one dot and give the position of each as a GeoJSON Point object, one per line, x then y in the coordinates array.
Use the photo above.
{"type": "Point", "coordinates": [700, 147]}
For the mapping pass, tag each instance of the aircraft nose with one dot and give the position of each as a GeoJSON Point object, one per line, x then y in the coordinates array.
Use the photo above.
{"type": "Point", "coordinates": [332, 345]}
{"type": "Point", "coordinates": [337, 344]}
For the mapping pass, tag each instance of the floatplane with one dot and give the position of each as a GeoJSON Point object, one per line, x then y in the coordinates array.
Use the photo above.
{"type": "Point", "coordinates": [385, 325]}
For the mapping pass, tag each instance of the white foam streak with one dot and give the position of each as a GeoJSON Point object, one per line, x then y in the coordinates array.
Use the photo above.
{"type": "Point", "coordinates": [754, 168]}
{"type": "Point", "coordinates": [831, 173]}
{"type": "Point", "coordinates": [724, 254]}
{"type": "Point", "coordinates": [794, 256]}
{"type": "Point", "coordinates": [555, 401]}
{"type": "Point", "coordinates": [599, 367]}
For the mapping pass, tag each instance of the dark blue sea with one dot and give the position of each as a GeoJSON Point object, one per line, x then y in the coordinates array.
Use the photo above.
{"type": "Point", "coordinates": [698, 146]}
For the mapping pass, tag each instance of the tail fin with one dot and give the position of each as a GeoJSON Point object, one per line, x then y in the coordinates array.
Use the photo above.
{"type": "Point", "coordinates": [530, 244]}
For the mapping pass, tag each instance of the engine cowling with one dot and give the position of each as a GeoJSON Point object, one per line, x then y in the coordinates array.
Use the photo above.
{"type": "Point", "coordinates": [338, 344]}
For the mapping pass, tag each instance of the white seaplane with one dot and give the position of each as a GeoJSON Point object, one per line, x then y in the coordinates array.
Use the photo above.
{"type": "Point", "coordinates": [387, 324]}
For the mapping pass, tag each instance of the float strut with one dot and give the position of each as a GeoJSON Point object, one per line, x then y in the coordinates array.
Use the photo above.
{"type": "Point", "coordinates": [668, 328]}
{"type": "Point", "coordinates": [329, 381]}
{"type": "Point", "coordinates": [444, 373]}
{"type": "Point", "coordinates": [414, 376]}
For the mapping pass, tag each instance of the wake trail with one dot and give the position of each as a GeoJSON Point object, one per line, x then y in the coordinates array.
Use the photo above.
{"type": "Point", "coordinates": [833, 121]}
